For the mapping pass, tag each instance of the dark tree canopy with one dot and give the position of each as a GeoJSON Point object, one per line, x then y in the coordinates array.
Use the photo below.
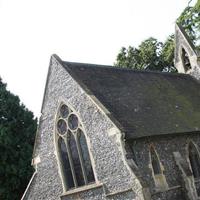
{"type": "Point", "coordinates": [17, 132]}
{"type": "Point", "coordinates": [154, 55]}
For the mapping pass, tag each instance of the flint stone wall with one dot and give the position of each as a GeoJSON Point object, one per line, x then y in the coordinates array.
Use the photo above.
{"type": "Point", "coordinates": [165, 146]}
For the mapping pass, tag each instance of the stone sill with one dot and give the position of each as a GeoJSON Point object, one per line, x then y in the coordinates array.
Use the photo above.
{"type": "Point", "coordinates": [118, 192]}
{"type": "Point", "coordinates": [82, 189]}
{"type": "Point", "coordinates": [166, 190]}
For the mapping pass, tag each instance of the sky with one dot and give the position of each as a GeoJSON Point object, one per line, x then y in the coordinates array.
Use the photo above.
{"type": "Point", "coordinates": [88, 31]}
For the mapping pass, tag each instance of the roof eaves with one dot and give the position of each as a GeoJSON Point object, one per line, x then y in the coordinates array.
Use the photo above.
{"type": "Point", "coordinates": [128, 133]}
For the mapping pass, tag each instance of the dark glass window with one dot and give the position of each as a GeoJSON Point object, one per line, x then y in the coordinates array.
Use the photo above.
{"type": "Point", "coordinates": [185, 60]}
{"type": "Point", "coordinates": [76, 160]}
{"type": "Point", "coordinates": [194, 160]}
{"type": "Point", "coordinates": [64, 111]}
{"type": "Point", "coordinates": [155, 162]}
{"type": "Point", "coordinates": [61, 126]}
{"type": "Point", "coordinates": [73, 151]}
{"type": "Point", "coordinates": [86, 157]}
{"type": "Point", "coordinates": [68, 179]}
{"type": "Point", "coordinates": [73, 122]}
{"type": "Point", "coordinates": [133, 154]}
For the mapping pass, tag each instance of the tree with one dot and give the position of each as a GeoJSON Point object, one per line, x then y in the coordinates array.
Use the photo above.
{"type": "Point", "coordinates": [17, 132]}
{"type": "Point", "coordinates": [128, 58]}
{"type": "Point", "coordinates": [149, 52]}
{"type": "Point", "coordinates": [150, 55]}
{"type": "Point", "coordinates": [167, 55]}
{"type": "Point", "coordinates": [190, 20]}
{"type": "Point", "coordinates": [154, 55]}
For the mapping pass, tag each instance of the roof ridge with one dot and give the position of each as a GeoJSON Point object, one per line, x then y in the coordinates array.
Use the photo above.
{"type": "Point", "coordinates": [124, 69]}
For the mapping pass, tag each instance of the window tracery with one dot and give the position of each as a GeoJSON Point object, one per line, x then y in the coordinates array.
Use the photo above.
{"type": "Point", "coordinates": [194, 159]}
{"type": "Point", "coordinates": [73, 154]}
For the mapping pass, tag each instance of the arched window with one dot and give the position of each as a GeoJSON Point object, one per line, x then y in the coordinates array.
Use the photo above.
{"type": "Point", "coordinates": [155, 161]}
{"type": "Point", "coordinates": [157, 171]}
{"type": "Point", "coordinates": [194, 159]}
{"type": "Point", "coordinates": [73, 154]}
{"type": "Point", "coordinates": [133, 153]}
{"type": "Point", "coordinates": [185, 60]}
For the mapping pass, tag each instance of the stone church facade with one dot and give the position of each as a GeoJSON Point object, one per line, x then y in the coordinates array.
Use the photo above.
{"type": "Point", "coordinates": [112, 133]}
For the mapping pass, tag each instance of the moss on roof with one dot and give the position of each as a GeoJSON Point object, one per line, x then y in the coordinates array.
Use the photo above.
{"type": "Point", "coordinates": [144, 103]}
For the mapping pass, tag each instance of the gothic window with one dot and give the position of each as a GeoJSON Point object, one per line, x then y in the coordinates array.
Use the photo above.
{"type": "Point", "coordinates": [155, 162]}
{"type": "Point", "coordinates": [133, 154]}
{"type": "Point", "coordinates": [157, 171]}
{"type": "Point", "coordinates": [194, 159]}
{"type": "Point", "coordinates": [185, 60]}
{"type": "Point", "coordinates": [73, 154]}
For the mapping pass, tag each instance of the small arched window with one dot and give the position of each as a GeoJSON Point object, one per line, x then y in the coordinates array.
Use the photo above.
{"type": "Point", "coordinates": [73, 154]}
{"type": "Point", "coordinates": [157, 171]}
{"type": "Point", "coordinates": [185, 60]}
{"type": "Point", "coordinates": [133, 153]}
{"type": "Point", "coordinates": [155, 161]}
{"type": "Point", "coordinates": [194, 159]}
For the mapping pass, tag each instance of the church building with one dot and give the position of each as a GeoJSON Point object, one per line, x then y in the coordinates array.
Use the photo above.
{"type": "Point", "coordinates": [108, 133]}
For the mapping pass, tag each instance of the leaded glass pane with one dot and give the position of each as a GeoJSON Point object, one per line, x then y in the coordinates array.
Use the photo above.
{"type": "Point", "coordinates": [73, 122]}
{"type": "Point", "coordinates": [61, 126]}
{"type": "Point", "coordinates": [155, 162]}
{"type": "Point", "coordinates": [76, 160]}
{"type": "Point", "coordinates": [85, 156]}
{"type": "Point", "coordinates": [194, 160]}
{"type": "Point", "coordinates": [64, 111]}
{"type": "Point", "coordinates": [66, 169]}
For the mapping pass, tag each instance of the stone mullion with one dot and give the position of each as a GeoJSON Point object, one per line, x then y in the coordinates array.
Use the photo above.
{"type": "Point", "coordinates": [71, 162]}
{"type": "Point", "coordinates": [81, 159]}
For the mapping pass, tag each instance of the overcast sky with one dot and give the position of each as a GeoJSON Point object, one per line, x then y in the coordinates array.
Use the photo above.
{"type": "Point", "coordinates": [91, 31]}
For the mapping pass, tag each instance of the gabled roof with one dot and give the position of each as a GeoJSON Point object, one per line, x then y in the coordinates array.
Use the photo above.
{"type": "Point", "coordinates": [144, 103]}
{"type": "Point", "coordinates": [180, 29]}
{"type": "Point", "coordinates": [182, 37]}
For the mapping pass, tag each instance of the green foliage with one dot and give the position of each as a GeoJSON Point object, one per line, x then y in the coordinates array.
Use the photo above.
{"type": "Point", "coordinates": [154, 55]}
{"type": "Point", "coordinates": [128, 58]}
{"type": "Point", "coordinates": [17, 131]}
{"type": "Point", "coordinates": [150, 55]}
{"type": "Point", "coordinates": [167, 55]}
{"type": "Point", "coordinates": [190, 21]}
{"type": "Point", "coordinates": [149, 52]}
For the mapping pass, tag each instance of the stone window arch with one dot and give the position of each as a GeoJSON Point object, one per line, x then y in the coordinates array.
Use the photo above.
{"type": "Point", "coordinates": [155, 162]}
{"type": "Point", "coordinates": [72, 149]}
{"type": "Point", "coordinates": [185, 59]}
{"type": "Point", "coordinates": [194, 158]}
{"type": "Point", "coordinates": [157, 170]}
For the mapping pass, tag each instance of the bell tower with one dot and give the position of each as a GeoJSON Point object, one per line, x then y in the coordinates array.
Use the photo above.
{"type": "Point", "coordinates": [187, 58]}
